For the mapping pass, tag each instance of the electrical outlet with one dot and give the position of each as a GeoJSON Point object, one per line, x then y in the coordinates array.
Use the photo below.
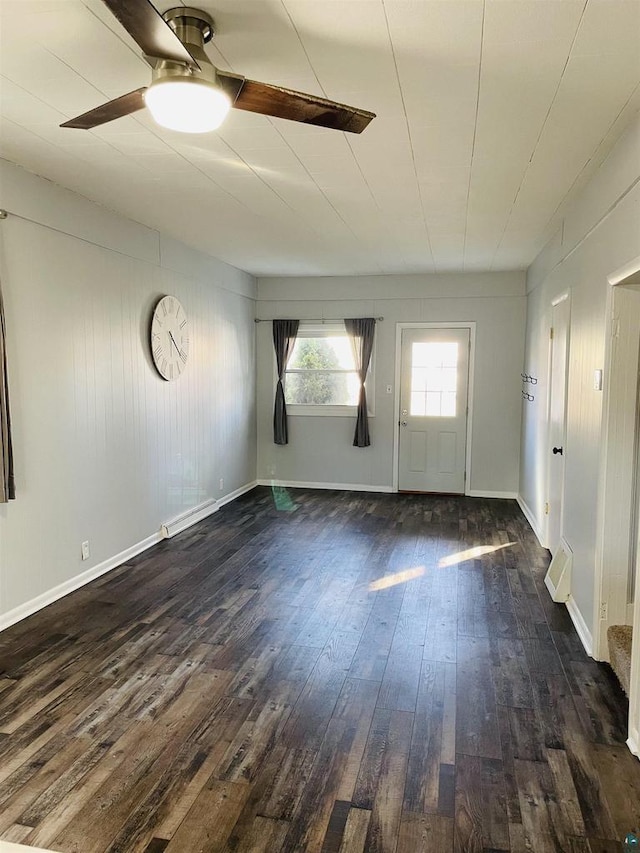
{"type": "Point", "coordinates": [603, 610]}
{"type": "Point", "coordinates": [86, 553]}
{"type": "Point", "coordinates": [221, 484]}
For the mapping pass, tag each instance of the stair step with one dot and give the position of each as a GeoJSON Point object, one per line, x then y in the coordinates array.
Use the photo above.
{"type": "Point", "coordinates": [619, 639]}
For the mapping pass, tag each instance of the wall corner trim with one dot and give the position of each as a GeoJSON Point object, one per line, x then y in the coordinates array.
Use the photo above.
{"type": "Point", "coordinates": [39, 602]}
{"type": "Point", "coordinates": [580, 625]}
{"type": "Point", "coordinates": [634, 742]}
{"type": "Point", "coordinates": [533, 522]}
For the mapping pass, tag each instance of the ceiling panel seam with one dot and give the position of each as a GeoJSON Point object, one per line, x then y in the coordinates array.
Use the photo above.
{"type": "Point", "coordinates": [542, 128]}
{"type": "Point", "coordinates": [475, 132]}
{"type": "Point", "coordinates": [406, 118]}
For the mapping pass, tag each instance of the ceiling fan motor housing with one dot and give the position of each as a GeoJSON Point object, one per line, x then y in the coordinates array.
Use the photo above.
{"type": "Point", "coordinates": [194, 28]}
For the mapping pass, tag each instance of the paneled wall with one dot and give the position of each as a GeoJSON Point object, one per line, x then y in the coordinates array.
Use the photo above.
{"type": "Point", "coordinates": [320, 448]}
{"type": "Point", "coordinates": [599, 234]}
{"type": "Point", "coordinates": [106, 450]}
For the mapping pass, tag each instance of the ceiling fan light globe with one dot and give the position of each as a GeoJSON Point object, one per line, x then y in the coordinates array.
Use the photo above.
{"type": "Point", "coordinates": [189, 105]}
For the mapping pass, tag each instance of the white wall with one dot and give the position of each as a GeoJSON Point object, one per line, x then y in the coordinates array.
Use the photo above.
{"type": "Point", "coordinates": [105, 450]}
{"type": "Point", "coordinates": [320, 448]}
{"type": "Point", "coordinates": [599, 234]}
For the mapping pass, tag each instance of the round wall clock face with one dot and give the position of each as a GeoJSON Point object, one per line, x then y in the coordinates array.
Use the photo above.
{"type": "Point", "coordinates": [169, 338]}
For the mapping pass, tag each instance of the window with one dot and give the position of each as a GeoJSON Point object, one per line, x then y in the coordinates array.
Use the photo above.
{"type": "Point", "coordinates": [434, 379]}
{"type": "Point", "coordinates": [321, 378]}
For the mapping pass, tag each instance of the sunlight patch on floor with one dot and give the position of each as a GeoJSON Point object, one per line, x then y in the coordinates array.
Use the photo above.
{"type": "Point", "coordinates": [471, 554]}
{"type": "Point", "coordinates": [398, 577]}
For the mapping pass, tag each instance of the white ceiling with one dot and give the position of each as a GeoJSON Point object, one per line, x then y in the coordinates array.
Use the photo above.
{"type": "Point", "coordinates": [491, 114]}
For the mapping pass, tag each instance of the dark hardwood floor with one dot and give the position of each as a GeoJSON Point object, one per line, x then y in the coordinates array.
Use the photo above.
{"type": "Point", "coordinates": [317, 671]}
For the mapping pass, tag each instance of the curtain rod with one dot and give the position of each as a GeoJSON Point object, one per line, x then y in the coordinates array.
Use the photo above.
{"type": "Point", "coordinates": [315, 320]}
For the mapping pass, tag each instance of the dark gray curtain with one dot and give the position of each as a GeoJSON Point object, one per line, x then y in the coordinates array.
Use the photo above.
{"type": "Point", "coordinates": [284, 338]}
{"type": "Point", "coordinates": [7, 482]}
{"type": "Point", "coordinates": [361, 332]}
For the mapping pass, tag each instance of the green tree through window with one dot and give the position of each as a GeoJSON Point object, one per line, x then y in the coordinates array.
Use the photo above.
{"type": "Point", "coordinates": [315, 375]}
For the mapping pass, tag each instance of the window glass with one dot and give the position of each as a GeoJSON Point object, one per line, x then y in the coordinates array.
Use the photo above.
{"type": "Point", "coordinates": [434, 378]}
{"type": "Point", "coordinates": [321, 371]}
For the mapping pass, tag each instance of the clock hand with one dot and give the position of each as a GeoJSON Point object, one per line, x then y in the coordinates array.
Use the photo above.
{"type": "Point", "coordinates": [174, 343]}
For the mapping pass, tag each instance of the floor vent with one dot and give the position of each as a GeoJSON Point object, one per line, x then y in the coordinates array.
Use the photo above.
{"type": "Point", "coordinates": [558, 577]}
{"type": "Point", "coordinates": [619, 640]}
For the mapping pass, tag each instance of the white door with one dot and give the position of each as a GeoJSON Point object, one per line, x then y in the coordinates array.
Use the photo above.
{"type": "Point", "coordinates": [434, 377]}
{"type": "Point", "coordinates": [557, 414]}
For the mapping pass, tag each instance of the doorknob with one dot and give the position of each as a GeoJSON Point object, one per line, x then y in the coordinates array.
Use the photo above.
{"type": "Point", "coordinates": [403, 423]}
{"type": "Point", "coordinates": [557, 450]}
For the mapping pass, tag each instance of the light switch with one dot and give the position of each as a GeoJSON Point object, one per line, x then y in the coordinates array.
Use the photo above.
{"type": "Point", "coordinates": [597, 380]}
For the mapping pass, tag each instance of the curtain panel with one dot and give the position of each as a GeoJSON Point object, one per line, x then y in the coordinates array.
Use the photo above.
{"type": "Point", "coordinates": [284, 338]}
{"type": "Point", "coordinates": [361, 333]}
{"type": "Point", "coordinates": [7, 481]}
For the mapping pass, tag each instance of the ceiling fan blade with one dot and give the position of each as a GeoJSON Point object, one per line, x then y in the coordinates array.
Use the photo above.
{"type": "Point", "coordinates": [145, 25]}
{"type": "Point", "coordinates": [230, 83]}
{"type": "Point", "coordinates": [119, 107]}
{"type": "Point", "coordinates": [297, 106]}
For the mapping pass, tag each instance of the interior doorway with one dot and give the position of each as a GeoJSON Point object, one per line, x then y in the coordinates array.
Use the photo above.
{"type": "Point", "coordinates": [434, 384]}
{"type": "Point", "coordinates": [617, 553]}
{"type": "Point", "coordinates": [558, 366]}
{"type": "Point", "coordinates": [617, 548]}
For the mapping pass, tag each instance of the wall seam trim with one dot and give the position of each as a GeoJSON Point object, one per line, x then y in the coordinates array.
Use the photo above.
{"type": "Point", "coordinates": [595, 226]}
{"type": "Point", "coordinates": [158, 263]}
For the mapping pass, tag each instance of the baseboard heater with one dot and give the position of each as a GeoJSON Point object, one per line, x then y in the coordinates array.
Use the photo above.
{"type": "Point", "coordinates": [558, 577]}
{"type": "Point", "coordinates": [187, 518]}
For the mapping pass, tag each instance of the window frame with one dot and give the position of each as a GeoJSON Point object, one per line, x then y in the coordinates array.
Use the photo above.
{"type": "Point", "coordinates": [327, 330]}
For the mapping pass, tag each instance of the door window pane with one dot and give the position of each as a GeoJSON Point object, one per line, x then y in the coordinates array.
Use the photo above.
{"type": "Point", "coordinates": [434, 378]}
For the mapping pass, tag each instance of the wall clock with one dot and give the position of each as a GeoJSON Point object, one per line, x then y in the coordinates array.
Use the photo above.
{"type": "Point", "coordinates": [169, 338]}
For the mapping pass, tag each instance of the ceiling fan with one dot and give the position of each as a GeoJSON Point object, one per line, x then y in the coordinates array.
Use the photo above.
{"type": "Point", "coordinates": [188, 93]}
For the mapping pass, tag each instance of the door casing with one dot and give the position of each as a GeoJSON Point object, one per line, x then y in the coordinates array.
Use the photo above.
{"type": "Point", "coordinates": [610, 587]}
{"type": "Point", "coordinates": [471, 325]}
{"type": "Point", "coordinates": [565, 301]}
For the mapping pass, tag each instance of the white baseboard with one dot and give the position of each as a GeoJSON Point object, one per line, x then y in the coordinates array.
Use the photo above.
{"type": "Point", "coordinates": [342, 487]}
{"type": "Point", "coordinates": [482, 493]}
{"type": "Point", "coordinates": [528, 514]}
{"type": "Point", "coordinates": [633, 742]}
{"type": "Point", "coordinates": [46, 598]}
{"type": "Point", "coordinates": [236, 494]}
{"type": "Point", "coordinates": [580, 625]}
{"type": "Point", "coordinates": [361, 487]}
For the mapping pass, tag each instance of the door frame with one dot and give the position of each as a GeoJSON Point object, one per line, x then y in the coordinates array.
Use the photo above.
{"type": "Point", "coordinates": [454, 324]}
{"type": "Point", "coordinates": [609, 593]}
{"type": "Point", "coordinates": [565, 296]}
{"type": "Point", "coordinates": [614, 529]}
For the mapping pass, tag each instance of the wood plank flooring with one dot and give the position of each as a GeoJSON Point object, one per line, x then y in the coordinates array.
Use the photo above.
{"type": "Point", "coordinates": [317, 672]}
